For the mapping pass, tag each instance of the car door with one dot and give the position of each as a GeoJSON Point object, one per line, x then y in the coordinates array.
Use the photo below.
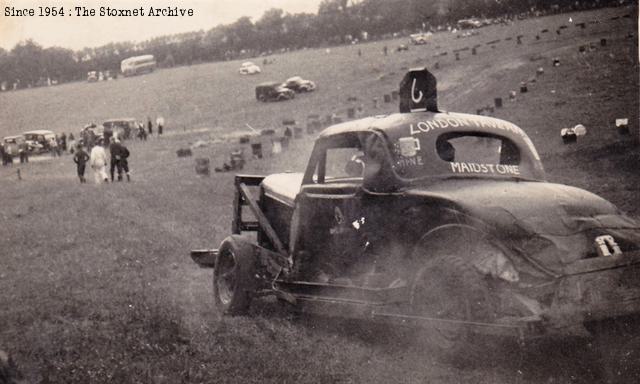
{"type": "Point", "coordinates": [328, 212]}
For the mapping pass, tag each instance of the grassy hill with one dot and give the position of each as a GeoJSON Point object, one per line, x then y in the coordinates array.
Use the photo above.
{"type": "Point", "coordinates": [96, 280]}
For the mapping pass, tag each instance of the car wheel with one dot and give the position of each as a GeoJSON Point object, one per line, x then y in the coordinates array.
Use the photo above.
{"type": "Point", "coordinates": [448, 288]}
{"type": "Point", "coordinates": [234, 276]}
{"type": "Point", "coordinates": [262, 98]}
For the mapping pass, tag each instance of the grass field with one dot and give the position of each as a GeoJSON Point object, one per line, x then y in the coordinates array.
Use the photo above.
{"type": "Point", "coordinates": [96, 282]}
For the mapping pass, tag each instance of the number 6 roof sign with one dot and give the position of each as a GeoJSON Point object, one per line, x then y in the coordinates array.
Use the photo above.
{"type": "Point", "coordinates": [418, 91]}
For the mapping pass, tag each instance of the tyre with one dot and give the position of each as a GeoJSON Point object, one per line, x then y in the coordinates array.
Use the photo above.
{"type": "Point", "coordinates": [234, 276]}
{"type": "Point", "coordinates": [449, 288]}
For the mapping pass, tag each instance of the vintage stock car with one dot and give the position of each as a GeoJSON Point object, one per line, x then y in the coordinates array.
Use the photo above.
{"type": "Point", "coordinates": [430, 218]}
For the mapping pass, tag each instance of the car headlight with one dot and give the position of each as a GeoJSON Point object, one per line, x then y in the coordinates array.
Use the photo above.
{"type": "Point", "coordinates": [493, 262]}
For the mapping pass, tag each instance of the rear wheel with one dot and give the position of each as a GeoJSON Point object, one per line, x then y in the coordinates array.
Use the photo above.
{"type": "Point", "coordinates": [234, 276]}
{"type": "Point", "coordinates": [448, 288]}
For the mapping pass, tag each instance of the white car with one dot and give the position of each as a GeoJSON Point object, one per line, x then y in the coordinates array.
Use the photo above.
{"type": "Point", "coordinates": [420, 38]}
{"type": "Point", "coordinates": [298, 84]}
{"type": "Point", "coordinates": [249, 68]}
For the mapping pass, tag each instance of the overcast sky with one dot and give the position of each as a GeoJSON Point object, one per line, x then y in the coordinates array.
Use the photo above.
{"type": "Point", "coordinates": [71, 31]}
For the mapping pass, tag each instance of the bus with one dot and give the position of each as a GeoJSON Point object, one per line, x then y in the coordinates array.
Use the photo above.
{"type": "Point", "coordinates": [137, 65]}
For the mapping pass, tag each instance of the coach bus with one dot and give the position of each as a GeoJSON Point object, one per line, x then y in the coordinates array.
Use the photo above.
{"type": "Point", "coordinates": [137, 65]}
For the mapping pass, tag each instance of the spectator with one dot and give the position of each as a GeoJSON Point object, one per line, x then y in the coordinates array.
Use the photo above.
{"type": "Point", "coordinates": [124, 162]}
{"type": "Point", "coordinates": [23, 151]}
{"type": "Point", "coordinates": [160, 124]}
{"type": "Point", "coordinates": [80, 158]}
{"type": "Point", "coordinates": [72, 144]}
{"type": "Point", "coordinates": [63, 142]}
{"type": "Point", "coordinates": [150, 126]}
{"type": "Point", "coordinates": [142, 134]}
{"type": "Point", "coordinates": [117, 151]}
{"type": "Point", "coordinates": [98, 161]}
{"type": "Point", "coordinates": [3, 154]}
{"type": "Point", "coordinates": [53, 146]}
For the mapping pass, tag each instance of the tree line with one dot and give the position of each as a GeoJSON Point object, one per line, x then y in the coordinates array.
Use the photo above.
{"type": "Point", "coordinates": [337, 22]}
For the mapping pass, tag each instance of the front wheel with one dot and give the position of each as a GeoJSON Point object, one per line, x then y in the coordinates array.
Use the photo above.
{"type": "Point", "coordinates": [234, 279]}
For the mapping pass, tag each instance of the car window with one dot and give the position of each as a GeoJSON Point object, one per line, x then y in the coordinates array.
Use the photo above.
{"type": "Point", "coordinates": [343, 163]}
{"type": "Point", "coordinates": [474, 148]}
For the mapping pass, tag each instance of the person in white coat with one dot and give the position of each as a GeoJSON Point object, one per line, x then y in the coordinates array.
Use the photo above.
{"type": "Point", "coordinates": [98, 162]}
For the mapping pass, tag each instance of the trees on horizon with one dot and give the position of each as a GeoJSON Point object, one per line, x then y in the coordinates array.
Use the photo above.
{"type": "Point", "coordinates": [337, 22]}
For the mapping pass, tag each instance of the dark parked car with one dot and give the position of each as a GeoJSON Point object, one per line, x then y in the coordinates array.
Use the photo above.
{"type": "Point", "coordinates": [444, 220]}
{"type": "Point", "coordinates": [121, 127]}
{"type": "Point", "coordinates": [273, 91]}
{"type": "Point", "coordinates": [298, 84]}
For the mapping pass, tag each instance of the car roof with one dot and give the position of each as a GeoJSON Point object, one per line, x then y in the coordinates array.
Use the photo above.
{"type": "Point", "coordinates": [269, 84]}
{"type": "Point", "coordinates": [121, 119]}
{"type": "Point", "coordinates": [398, 123]}
{"type": "Point", "coordinates": [39, 132]}
{"type": "Point", "coordinates": [12, 137]}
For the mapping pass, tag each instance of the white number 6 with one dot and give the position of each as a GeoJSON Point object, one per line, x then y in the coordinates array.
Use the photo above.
{"type": "Point", "coordinates": [413, 92]}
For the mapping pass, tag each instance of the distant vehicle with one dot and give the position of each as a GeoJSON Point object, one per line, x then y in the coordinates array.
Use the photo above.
{"type": "Point", "coordinates": [298, 84]}
{"type": "Point", "coordinates": [39, 141]}
{"type": "Point", "coordinates": [122, 127]}
{"type": "Point", "coordinates": [469, 23]}
{"type": "Point", "coordinates": [12, 144]}
{"type": "Point", "coordinates": [110, 75]}
{"type": "Point", "coordinates": [401, 48]}
{"type": "Point", "coordinates": [92, 76]}
{"type": "Point", "coordinates": [273, 91]}
{"type": "Point", "coordinates": [249, 68]}
{"type": "Point", "coordinates": [420, 38]}
{"type": "Point", "coordinates": [137, 65]}
{"type": "Point", "coordinates": [97, 130]}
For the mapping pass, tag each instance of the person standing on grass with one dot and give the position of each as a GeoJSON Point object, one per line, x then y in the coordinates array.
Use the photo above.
{"type": "Point", "coordinates": [80, 158]}
{"type": "Point", "coordinates": [149, 126]}
{"type": "Point", "coordinates": [23, 151]}
{"type": "Point", "coordinates": [124, 162]}
{"type": "Point", "coordinates": [63, 142]}
{"type": "Point", "coordinates": [160, 124]}
{"type": "Point", "coordinates": [98, 161]}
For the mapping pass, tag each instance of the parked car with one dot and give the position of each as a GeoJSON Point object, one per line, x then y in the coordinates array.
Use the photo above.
{"type": "Point", "coordinates": [92, 76]}
{"type": "Point", "coordinates": [435, 219]}
{"type": "Point", "coordinates": [469, 23]}
{"type": "Point", "coordinates": [420, 38]}
{"type": "Point", "coordinates": [39, 141]}
{"type": "Point", "coordinates": [298, 84]}
{"type": "Point", "coordinates": [249, 68]}
{"type": "Point", "coordinates": [12, 145]}
{"type": "Point", "coordinates": [121, 127]}
{"type": "Point", "coordinates": [273, 91]}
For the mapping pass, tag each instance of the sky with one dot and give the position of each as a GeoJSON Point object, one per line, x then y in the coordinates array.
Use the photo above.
{"type": "Point", "coordinates": [76, 32]}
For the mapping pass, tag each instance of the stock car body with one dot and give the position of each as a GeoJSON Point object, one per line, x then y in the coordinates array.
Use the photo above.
{"type": "Point", "coordinates": [39, 141]}
{"type": "Point", "coordinates": [420, 38]}
{"type": "Point", "coordinates": [298, 84]}
{"type": "Point", "coordinates": [443, 220]}
{"type": "Point", "coordinates": [273, 91]}
{"type": "Point", "coordinates": [249, 68]}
